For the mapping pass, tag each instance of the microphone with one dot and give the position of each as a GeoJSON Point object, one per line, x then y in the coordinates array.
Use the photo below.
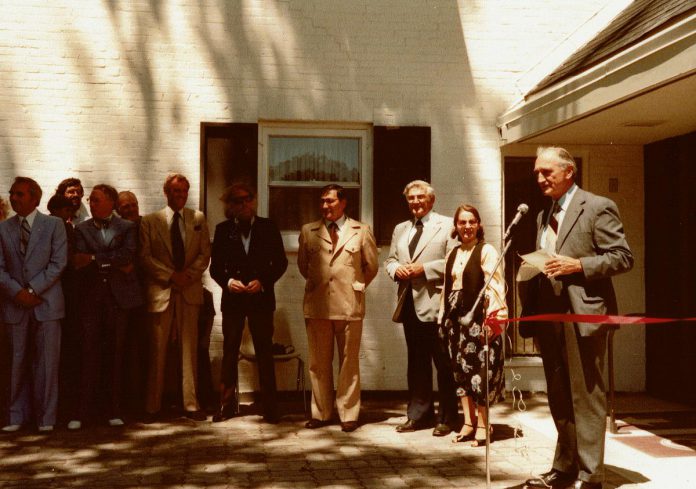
{"type": "Point", "coordinates": [521, 211]}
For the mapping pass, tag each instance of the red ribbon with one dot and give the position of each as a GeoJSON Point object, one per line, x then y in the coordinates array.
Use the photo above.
{"type": "Point", "coordinates": [497, 324]}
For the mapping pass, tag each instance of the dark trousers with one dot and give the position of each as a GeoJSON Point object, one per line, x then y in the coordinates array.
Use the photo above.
{"type": "Point", "coordinates": [261, 329]}
{"type": "Point", "coordinates": [574, 369]}
{"type": "Point", "coordinates": [135, 353]}
{"type": "Point", "coordinates": [425, 348]}
{"type": "Point", "coordinates": [103, 336]}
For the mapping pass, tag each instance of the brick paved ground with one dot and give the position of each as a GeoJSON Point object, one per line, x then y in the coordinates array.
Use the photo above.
{"type": "Point", "coordinates": [245, 453]}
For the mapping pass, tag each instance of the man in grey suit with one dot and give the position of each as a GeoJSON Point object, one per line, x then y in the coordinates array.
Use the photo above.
{"type": "Point", "coordinates": [105, 250]}
{"type": "Point", "coordinates": [584, 235]}
{"type": "Point", "coordinates": [417, 262]}
{"type": "Point", "coordinates": [33, 254]}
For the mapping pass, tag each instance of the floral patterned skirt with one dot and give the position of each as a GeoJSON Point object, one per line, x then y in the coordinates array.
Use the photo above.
{"type": "Point", "coordinates": [466, 349]}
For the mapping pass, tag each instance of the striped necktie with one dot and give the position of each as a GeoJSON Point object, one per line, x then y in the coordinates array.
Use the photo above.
{"type": "Point", "coordinates": [25, 234]}
{"type": "Point", "coordinates": [552, 230]}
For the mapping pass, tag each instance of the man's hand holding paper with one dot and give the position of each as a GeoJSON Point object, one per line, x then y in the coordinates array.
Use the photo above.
{"type": "Point", "coordinates": [551, 265]}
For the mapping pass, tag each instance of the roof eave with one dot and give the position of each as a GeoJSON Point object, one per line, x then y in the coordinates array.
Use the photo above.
{"type": "Point", "coordinates": [667, 56]}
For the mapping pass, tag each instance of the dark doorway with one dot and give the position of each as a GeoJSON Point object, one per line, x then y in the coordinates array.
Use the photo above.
{"type": "Point", "coordinates": [521, 187]}
{"type": "Point", "coordinates": [670, 270]}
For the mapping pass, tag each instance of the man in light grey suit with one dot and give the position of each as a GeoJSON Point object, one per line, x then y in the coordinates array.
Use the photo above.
{"type": "Point", "coordinates": [33, 254]}
{"type": "Point", "coordinates": [417, 262]}
{"type": "Point", "coordinates": [584, 234]}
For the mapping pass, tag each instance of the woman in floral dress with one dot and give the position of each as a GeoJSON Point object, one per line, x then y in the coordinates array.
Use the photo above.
{"type": "Point", "coordinates": [467, 268]}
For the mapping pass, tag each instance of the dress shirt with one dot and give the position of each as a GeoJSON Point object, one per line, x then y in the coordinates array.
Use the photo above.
{"type": "Point", "coordinates": [29, 217]}
{"type": "Point", "coordinates": [412, 231]}
{"type": "Point", "coordinates": [340, 222]}
{"type": "Point", "coordinates": [496, 289]}
{"type": "Point", "coordinates": [170, 217]}
{"type": "Point", "coordinates": [563, 204]}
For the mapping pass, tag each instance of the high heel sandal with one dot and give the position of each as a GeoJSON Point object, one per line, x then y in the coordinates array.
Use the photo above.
{"type": "Point", "coordinates": [480, 442]}
{"type": "Point", "coordinates": [464, 436]}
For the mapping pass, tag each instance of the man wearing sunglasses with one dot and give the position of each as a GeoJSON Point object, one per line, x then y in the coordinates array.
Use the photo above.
{"type": "Point", "coordinates": [247, 259]}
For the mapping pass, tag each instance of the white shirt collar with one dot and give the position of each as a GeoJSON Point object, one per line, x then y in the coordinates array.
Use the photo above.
{"type": "Point", "coordinates": [29, 217]}
{"type": "Point", "coordinates": [339, 222]}
{"type": "Point", "coordinates": [170, 214]}
{"type": "Point", "coordinates": [423, 219]}
{"type": "Point", "coordinates": [565, 199]}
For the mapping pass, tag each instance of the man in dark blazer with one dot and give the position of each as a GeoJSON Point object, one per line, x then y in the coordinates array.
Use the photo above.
{"type": "Point", "coordinates": [584, 235]}
{"type": "Point", "coordinates": [105, 250]}
{"type": "Point", "coordinates": [417, 263]}
{"type": "Point", "coordinates": [247, 259]}
{"type": "Point", "coordinates": [33, 254]}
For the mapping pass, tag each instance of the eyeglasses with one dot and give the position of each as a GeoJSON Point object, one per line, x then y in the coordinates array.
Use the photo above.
{"type": "Point", "coordinates": [242, 199]}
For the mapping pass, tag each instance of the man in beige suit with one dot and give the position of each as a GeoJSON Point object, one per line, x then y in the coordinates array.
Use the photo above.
{"type": "Point", "coordinates": [175, 251]}
{"type": "Point", "coordinates": [338, 257]}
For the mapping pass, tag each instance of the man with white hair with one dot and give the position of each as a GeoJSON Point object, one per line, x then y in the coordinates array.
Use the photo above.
{"type": "Point", "coordinates": [417, 262]}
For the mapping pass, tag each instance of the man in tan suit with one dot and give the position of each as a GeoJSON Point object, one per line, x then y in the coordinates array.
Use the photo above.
{"type": "Point", "coordinates": [338, 257]}
{"type": "Point", "coordinates": [175, 251]}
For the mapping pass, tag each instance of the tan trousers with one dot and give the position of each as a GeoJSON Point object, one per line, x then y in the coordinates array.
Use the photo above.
{"type": "Point", "coordinates": [183, 319]}
{"type": "Point", "coordinates": [320, 339]}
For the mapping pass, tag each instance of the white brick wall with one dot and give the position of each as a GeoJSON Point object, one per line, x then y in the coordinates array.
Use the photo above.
{"type": "Point", "coordinates": [115, 92]}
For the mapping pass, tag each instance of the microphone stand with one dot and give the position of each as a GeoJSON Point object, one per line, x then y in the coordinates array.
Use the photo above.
{"type": "Point", "coordinates": [466, 321]}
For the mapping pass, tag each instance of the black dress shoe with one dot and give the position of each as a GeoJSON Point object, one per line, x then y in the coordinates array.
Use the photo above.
{"type": "Point", "coordinates": [196, 415]}
{"type": "Point", "coordinates": [412, 425]}
{"type": "Point", "coordinates": [349, 426]}
{"type": "Point", "coordinates": [554, 479]}
{"type": "Point", "coordinates": [442, 429]}
{"type": "Point", "coordinates": [314, 423]}
{"type": "Point", "coordinates": [271, 418]}
{"type": "Point", "coordinates": [586, 485]}
{"type": "Point", "coordinates": [223, 414]}
{"type": "Point", "coordinates": [148, 418]}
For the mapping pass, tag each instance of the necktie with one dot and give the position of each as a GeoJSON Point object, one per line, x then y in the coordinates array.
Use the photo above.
{"type": "Point", "coordinates": [244, 227]}
{"type": "Point", "coordinates": [25, 234]}
{"type": "Point", "coordinates": [177, 243]}
{"type": "Point", "coordinates": [552, 231]}
{"type": "Point", "coordinates": [333, 232]}
{"type": "Point", "coordinates": [102, 223]}
{"type": "Point", "coordinates": [416, 237]}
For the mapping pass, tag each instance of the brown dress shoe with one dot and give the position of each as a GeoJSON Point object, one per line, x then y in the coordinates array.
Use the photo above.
{"type": "Point", "coordinates": [442, 429]}
{"type": "Point", "coordinates": [196, 415]}
{"type": "Point", "coordinates": [349, 426]}
{"type": "Point", "coordinates": [314, 423]}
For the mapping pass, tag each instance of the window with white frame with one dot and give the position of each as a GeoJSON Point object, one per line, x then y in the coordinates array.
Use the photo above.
{"type": "Point", "coordinates": [296, 160]}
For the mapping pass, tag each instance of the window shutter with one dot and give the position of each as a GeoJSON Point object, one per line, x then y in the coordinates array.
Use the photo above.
{"type": "Point", "coordinates": [400, 156]}
{"type": "Point", "coordinates": [229, 152]}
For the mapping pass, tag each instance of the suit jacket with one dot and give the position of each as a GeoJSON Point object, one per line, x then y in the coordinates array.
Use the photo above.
{"type": "Point", "coordinates": [336, 282]}
{"type": "Point", "coordinates": [157, 259]}
{"type": "Point", "coordinates": [265, 262]}
{"type": "Point", "coordinates": [45, 259]}
{"type": "Point", "coordinates": [120, 251]}
{"type": "Point", "coordinates": [434, 244]}
{"type": "Point", "coordinates": [591, 231]}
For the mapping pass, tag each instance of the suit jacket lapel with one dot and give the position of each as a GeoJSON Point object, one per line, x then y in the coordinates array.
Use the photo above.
{"type": "Point", "coordinates": [36, 234]}
{"type": "Point", "coordinates": [322, 232]}
{"type": "Point", "coordinates": [429, 232]}
{"type": "Point", "coordinates": [350, 229]}
{"type": "Point", "coordinates": [163, 229]}
{"type": "Point", "coordinates": [188, 226]}
{"type": "Point", "coordinates": [575, 208]}
{"type": "Point", "coordinates": [16, 235]}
